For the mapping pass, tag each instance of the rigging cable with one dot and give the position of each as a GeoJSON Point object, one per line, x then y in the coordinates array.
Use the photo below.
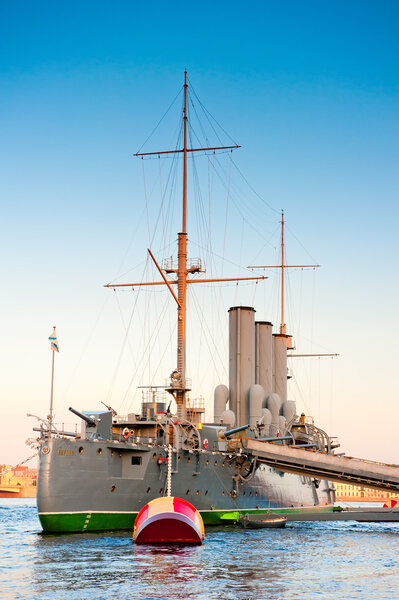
{"type": "Point", "coordinates": [146, 203]}
{"type": "Point", "coordinates": [240, 255]}
{"type": "Point", "coordinates": [227, 208]}
{"type": "Point", "coordinates": [125, 341]}
{"type": "Point", "coordinates": [160, 121]}
{"type": "Point", "coordinates": [162, 208]}
{"type": "Point", "coordinates": [145, 351]}
{"type": "Point", "coordinates": [84, 349]}
{"type": "Point", "coordinates": [203, 320]}
{"type": "Point", "coordinates": [209, 116]}
{"type": "Point", "coordinates": [254, 191]}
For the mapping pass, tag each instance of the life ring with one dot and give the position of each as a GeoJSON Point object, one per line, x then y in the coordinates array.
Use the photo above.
{"type": "Point", "coordinates": [205, 443]}
{"type": "Point", "coordinates": [125, 433]}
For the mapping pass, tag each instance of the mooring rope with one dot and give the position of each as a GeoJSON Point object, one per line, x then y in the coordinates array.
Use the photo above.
{"type": "Point", "coordinates": [18, 465]}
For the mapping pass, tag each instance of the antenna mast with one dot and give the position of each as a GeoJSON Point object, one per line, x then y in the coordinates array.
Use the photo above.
{"type": "Point", "coordinates": [178, 382]}
{"type": "Point", "coordinates": [182, 279]}
{"type": "Point", "coordinates": [283, 328]}
{"type": "Point", "coordinates": [283, 266]}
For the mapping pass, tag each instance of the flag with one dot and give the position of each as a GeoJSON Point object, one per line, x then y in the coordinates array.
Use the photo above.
{"type": "Point", "coordinates": [54, 342]}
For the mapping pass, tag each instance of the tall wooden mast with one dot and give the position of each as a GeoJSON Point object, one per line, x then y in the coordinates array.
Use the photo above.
{"type": "Point", "coordinates": [283, 266]}
{"type": "Point", "coordinates": [182, 278]}
{"type": "Point", "coordinates": [178, 382]}
{"type": "Point", "coordinates": [283, 328]}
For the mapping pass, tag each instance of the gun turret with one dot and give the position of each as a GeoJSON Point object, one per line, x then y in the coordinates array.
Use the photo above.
{"type": "Point", "coordinates": [90, 422]}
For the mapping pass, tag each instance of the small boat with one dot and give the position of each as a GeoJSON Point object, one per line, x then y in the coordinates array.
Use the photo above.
{"type": "Point", "coordinates": [262, 521]}
{"type": "Point", "coordinates": [169, 520]}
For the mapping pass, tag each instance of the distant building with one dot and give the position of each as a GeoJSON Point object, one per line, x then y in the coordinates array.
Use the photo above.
{"type": "Point", "coordinates": [359, 493]}
{"type": "Point", "coordinates": [17, 482]}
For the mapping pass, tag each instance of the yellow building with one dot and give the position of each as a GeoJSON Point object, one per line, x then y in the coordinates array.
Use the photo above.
{"type": "Point", "coordinates": [358, 493]}
{"type": "Point", "coordinates": [17, 482]}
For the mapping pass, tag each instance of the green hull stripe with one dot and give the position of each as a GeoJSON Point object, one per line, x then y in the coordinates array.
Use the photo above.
{"type": "Point", "coordinates": [97, 521]}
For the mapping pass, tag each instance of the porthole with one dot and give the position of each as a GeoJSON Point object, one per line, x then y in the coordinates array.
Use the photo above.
{"type": "Point", "coordinates": [148, 490]}
{"type": "Point", "coordinates": [243, 493]}
{"type": "Point", "coordinates": [112, 488]}
{"type": "Point", "coordinates": [206, 492]}
{"type": "Point", "coordinates": [81, 450]}
{"type": "Point", "coordinates": [99, 451]}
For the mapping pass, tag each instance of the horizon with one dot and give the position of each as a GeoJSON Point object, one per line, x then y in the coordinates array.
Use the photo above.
{"type": "Point", "coordinates": [311, 94]}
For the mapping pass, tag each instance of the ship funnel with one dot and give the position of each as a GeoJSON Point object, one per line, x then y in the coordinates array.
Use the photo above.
{"type": "Point", "coordinates": [241, 360]}
{"type": "Point", "coordinates": [264, 356]}
{"type": "Point", "coordinates": [280, 365]}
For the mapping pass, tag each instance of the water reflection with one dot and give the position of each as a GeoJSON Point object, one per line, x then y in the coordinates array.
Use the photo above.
{"type": "Point", "coordinates": [305, 560]}
{"type": "Point", "coordinates": [228, 565]}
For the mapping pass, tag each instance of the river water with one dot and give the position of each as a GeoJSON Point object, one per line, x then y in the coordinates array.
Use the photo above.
{"type": "Point", "coordinates": [306, 561]}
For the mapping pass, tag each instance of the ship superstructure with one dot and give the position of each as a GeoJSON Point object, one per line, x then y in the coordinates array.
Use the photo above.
{"type": "Point", "coordinates": [101, 478]}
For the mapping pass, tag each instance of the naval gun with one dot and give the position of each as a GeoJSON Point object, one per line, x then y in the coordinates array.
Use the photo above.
{"type": "Point", "coordinates": [230, 432]}
{"type": "Point", "coordinates": [98, 424]}
{"type": "Point", "coordinates": [88, 420]}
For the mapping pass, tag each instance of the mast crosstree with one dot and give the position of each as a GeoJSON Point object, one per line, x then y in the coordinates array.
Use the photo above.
{"type": "Point", "coordinates": [178, 384]}
{"type": "Point", "coordinates": [282, 266]}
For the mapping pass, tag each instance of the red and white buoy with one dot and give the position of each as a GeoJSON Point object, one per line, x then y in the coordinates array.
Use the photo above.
{"type": "Point", "coordinates": [168, 520]}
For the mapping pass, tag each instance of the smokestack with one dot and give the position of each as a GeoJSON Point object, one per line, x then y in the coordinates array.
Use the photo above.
{"type": "Point", "coordinates": [264, 356]}
{"type": "Point", "coordinates": [280, 365]}
{"type": "Point", "coordinates": [241, 360]}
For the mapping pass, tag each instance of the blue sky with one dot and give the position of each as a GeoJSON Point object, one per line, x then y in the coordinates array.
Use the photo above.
{"type": "Point", "coordinates": [309, 89]}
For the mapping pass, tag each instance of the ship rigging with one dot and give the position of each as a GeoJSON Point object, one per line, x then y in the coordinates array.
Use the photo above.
{"type": "Point", "coordinates": [178, 381]}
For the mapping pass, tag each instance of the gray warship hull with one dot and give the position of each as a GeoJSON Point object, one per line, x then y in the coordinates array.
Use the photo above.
{"type": "Point", "coordinates": [93, 485]}
{"type": "Point", "coordinates": [102, 478]}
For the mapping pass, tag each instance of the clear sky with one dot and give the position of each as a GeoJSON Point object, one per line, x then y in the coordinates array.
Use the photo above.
{"type": "Point", "coordinates": [309, 89]}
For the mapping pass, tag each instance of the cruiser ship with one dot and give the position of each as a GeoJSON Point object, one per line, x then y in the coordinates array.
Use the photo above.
{"type": "Point", "coordinates": [100, 478]}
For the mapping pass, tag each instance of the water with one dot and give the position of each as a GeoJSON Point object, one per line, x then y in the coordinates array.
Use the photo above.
{"type": "Point", "coordinates": [305, 561]}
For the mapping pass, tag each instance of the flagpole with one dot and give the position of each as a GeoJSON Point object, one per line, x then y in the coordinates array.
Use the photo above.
{"type": "Point", "coordinates": [50, 417]}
